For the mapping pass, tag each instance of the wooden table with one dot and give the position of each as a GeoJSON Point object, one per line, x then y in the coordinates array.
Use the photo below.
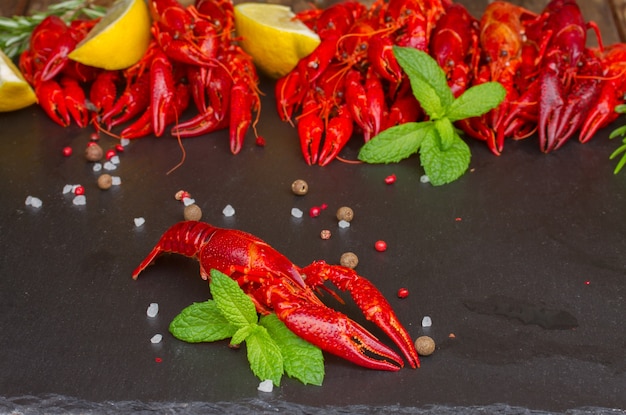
{"type": "Point", "coordinates": [610, 15]}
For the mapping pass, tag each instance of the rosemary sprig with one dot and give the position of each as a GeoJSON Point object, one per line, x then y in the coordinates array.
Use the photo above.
{"type": "Point", "coordinates": [15, 31]}
{"type": "Point", "coordinates": [621, 109]}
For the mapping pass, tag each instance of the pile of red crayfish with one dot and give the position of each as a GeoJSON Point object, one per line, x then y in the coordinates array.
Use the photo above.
{"type": "Point", "coordinates": [556, 85]}
{"type": "Point", "coordinates": [193, 56]}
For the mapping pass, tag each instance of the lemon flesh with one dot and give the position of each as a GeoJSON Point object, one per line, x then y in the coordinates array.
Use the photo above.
{"type": "Point", "coordinates": [15, 92]}
{"type": "Point", "coordinates": [119, 40]}
{"type": "Point", "coordinates": [272, 37]}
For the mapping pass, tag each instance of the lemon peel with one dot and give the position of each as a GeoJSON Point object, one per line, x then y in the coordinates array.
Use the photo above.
{"type": "Point", "coordinates": [275, 40]}
{"type": "Point", "coordinates": [119, 40]}
{"type": "Point", "coordinates": [15, 92]}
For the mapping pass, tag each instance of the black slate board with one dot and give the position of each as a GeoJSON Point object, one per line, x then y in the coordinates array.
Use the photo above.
{"type": "Point", "coordinates": [546, 230]}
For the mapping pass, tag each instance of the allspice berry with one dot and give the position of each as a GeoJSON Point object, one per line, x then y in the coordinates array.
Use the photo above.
{"type": "Point", "coordinates": [105, 181]}
{"type": "Point", "coordinates": [299, 187]}
{"type": "Point", "coordinates": [345, 213]}
{"type": "Point", "coordinates": [425, 345]}
{"type": "Point", "coordinates": [192, 212]}
{"type": "Point", "coordinates": [93, 152]}
{"type": "Point", "coordinates": [349, 259]}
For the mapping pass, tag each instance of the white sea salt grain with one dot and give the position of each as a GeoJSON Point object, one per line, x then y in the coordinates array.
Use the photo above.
{"type": "Point", "coordinates": [427, 322]}
{"type": "Point", "coordinates": [424, 179]}
{"type": "Point", "coordinates": [188, 201]}
{"type": "Point", "coordinates": [33, 201]}
{"type": "Point", "coordinates": [109, 166]}
{"type": "Point", "coordinates": [79, 200]}
{"type": "Point", "coordinates": [68, 188]}
{"type": "Point", "coordinates": [124, 142]}
{"type": "Point", "coordinates": [156, 338]}
{"type": "Point", "coordinates": [228, 211]}
{"type": "Point", "coordinates": [115, 159]}
{"type": "Point", "coordinates": [296, 213]}
{"type": "Point", "coordinates": [344, 224]}
{"type": "Point", "coordinates": [97, 167]}
{"type": "Point", "coordinates": [139, 221]}
{"type": "Point", "coordinates": [266, 386]}
{"type": "Point", "coordinates": [153, 310]}
{"type": "Point", "coordinates": [116, 181]}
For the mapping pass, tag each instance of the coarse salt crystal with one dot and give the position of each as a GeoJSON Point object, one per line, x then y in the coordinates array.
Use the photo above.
{"type": "Point", "coordinates": [156, 338]}
{"type": "Point", "coordinates": [97, 167]}
{"type": "Point", "coordinates": [116, 181]}
{"type": "Point", "coordinates": [124, 142]}
{"type": "Point", "coordinates": [33, 201]}
{"type": "Point", "coordinates": [266, 386]}
{"type": "Point", "coordinates": [115, 159]}
{"type": "Point", "coordinates": [68, 188]}
{"type": "Point", "coordinates": [427, 322]}
{"type": "Point", "coordinates": [109, 166]}
{"type": "Point", "coordinates": [80, 200]}
{"type": "Point", "coordinates": [228, 211]}
{"type": "Point", "coordinates": [188, 201]}
{"type": "Point", "coordinates": [139, 221]}
{"type": "Point", "coordinates": [344, 224]}
{"type": "Point", "coordinates": [424, 179]}
{"type": "Point", "coordinates": [296, 213]}
{"type": "Point", "coordinates": [153, 310]}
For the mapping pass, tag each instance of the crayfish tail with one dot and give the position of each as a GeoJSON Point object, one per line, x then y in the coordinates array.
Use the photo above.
{"type": "Point", "coordinates": [184, 238]}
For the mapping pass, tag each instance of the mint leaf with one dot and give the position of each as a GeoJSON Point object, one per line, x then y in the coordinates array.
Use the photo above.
{"type": "Point", "coordinates": [393, 144]}
{"type": "Point", "coordinates": [266, 360]}
{"type": "Point", "coordinates": [242, 334]}
{"type": "Point", "coordinates": [476, 101]}
{"type": "Point", "coordinates": [301, 359]}
{"type": "Point", "coordinates": [428, 80]}
{"type": "Point", "coordinates": [201, 322]}
{"type": "Point", "coordinates": [232, 302]}
{"type": "Point", "coordinates": [445, 131]}
{"type": "Point", "coordinates": [444, 165]}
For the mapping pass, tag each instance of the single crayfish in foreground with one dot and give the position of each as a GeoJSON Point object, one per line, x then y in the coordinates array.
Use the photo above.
{"type": "Point", "coordinates": [275, 284]}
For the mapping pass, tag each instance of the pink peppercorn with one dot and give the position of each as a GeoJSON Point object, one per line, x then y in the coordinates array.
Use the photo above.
{"type": "Point", "coordinates": [110, 153]}
{"type": "Point", "coordinates": [67, 151]}
{"type": "Point", "coordinates": [119, 148]}
{"type": "Point", "coordinates": [79, 190]}
{"type": "Point", "coordinates": [315, 211]}
{"type": "Point", "coordinates": [403, 293]}
{"type": "Point", "coordinates": [380, 246]}
{"type": "Point", "coordinates": [390, 179]}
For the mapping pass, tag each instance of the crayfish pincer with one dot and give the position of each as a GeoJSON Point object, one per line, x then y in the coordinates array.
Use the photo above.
{"type": "Point", "coordinates": [275, 284]}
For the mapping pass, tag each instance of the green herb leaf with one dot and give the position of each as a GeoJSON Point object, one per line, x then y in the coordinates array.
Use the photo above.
{"type": "Point", "coordinates": [266, 360]}
{"type": "Point", "coordinates": [242, 334]}
{"type": "Point", "coordinates": [428, 81]}
{"type": "Point", "coordinates": [301, 359]}
{"type": "Point", "coordinates": [394, 144]}
{"type": "Point", "coordinates": [476, 101]}
{"type": "Point", "coordinates": [444, 165]}
{"type": "Point", "coordinates": [618, 132]}
{"type": "Point", "coordinates": [232, 302]}
{"type": "Point", "coordinates": [201, 322]}
{"type": "Point", "coordinates": [445, 133]}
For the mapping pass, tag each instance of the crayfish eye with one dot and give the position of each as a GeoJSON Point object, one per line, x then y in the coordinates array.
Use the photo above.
{"type": "Point", "coordinates": [504, 53]}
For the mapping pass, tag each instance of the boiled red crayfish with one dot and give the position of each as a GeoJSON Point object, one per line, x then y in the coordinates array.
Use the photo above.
{"type": "Point", "coordinates": [352, 81]}
{"type": "Point", "coordinates": [276, 285]}
{"type": "Point", "coordinates": [192, 57]}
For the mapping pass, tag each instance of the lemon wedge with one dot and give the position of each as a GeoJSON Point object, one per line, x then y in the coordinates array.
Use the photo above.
{"type": "Point", "coordinates": [15, 92]}
{"type": "Point", "coordinates": [119, 40]}
{"type": "Point", "coordinates": [272, 37]}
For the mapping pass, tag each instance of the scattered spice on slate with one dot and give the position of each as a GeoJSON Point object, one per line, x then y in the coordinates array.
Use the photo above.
{"type": "Point", "coordinates": [105, 181]}
{"type": "Point", "coordinates": [93, 152]}
{"type": "Point", "coordinates": [425, 345]}
{"type": "Point", "coordinates": [345, 213]}
{"type": "Point", "coordinates": [380, 246]}
{"type": "Point", "coordinates": [325, 234]}
{"type": "Point", "coordinates": [403, 293]}
{"type": "Point", "coordinates": [349, 259]}
{"type": "Point", "coordinates": [299, 187]}
{"type": "Point", "coordinates": [192, 212]}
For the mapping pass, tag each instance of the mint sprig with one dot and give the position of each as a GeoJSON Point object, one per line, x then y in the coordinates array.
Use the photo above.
{"type": "Point", "coordinates": [272, 349]}
{"type": "Point", "coordinates": [443, 154]}
{"type": "Point", "coordinates": [620, 131]}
